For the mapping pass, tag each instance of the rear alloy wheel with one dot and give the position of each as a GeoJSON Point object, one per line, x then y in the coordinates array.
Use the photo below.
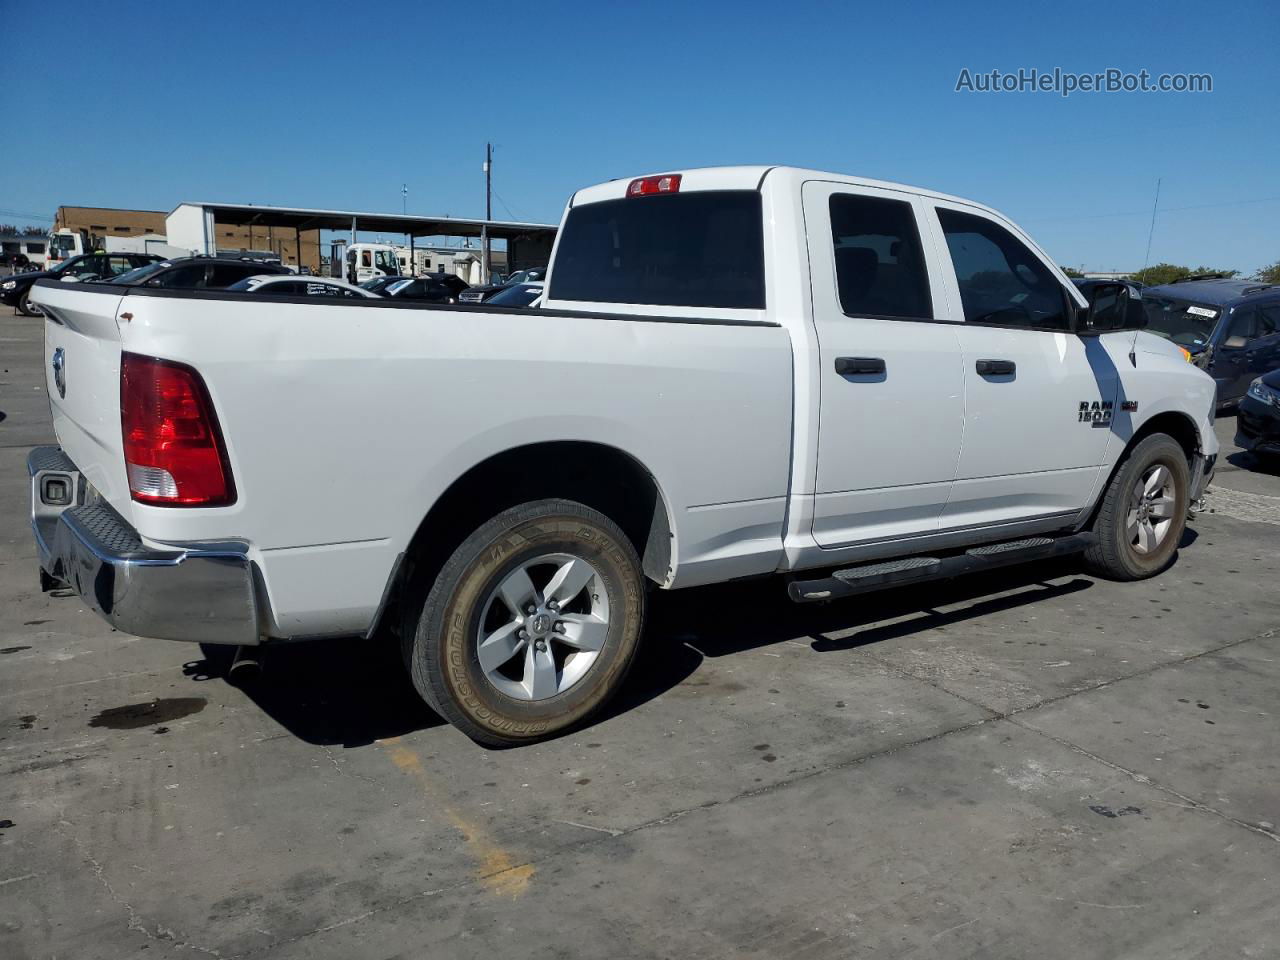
{"type": "Point", "coordinates": [530, 626]}
{"type": "Point", "coordinates": [1143, 512]}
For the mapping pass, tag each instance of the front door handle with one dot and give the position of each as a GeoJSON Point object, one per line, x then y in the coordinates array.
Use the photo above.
{"type": "Point", "coordinates": [849, 366]}
{"type": "Point", "coordinates": [996, 368]}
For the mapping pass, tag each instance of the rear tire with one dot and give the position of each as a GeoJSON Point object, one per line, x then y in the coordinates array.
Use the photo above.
{"type": "Point", "coordinates": [1143, 513]}
{"type": "Point", "coordinates": [543, 671]}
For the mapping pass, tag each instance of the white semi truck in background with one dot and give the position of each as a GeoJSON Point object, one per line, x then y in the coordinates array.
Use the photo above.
{"type": "Point", "coordinates": [65, 243]}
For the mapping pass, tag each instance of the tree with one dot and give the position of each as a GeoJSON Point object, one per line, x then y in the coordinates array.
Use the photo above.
{"type": "Point", "coordinates": [1269, 274]}
{"type": "Point", "coordinates": [1169, 272]}
{"type": "Point", "coordinates": [1072, 272]}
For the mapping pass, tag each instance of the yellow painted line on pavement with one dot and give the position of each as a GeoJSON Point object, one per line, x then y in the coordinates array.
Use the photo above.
{"type": "Point", "coordinates": [496, 867]}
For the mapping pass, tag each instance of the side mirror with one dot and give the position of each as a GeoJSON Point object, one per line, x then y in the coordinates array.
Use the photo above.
{"type": "Point", "coordinates": [1112, 306]}
{"type": "Point", "coordinates": [1235, 343]}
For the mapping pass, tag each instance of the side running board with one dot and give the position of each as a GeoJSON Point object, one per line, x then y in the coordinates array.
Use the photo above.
{"type": "Point", "coordinates": [893, 573]}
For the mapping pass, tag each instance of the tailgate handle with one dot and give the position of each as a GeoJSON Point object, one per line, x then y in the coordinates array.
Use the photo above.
{"type": "Point", "coordinates": [996, 368]}
{"type": "Point", "coordinates": [849, 366]}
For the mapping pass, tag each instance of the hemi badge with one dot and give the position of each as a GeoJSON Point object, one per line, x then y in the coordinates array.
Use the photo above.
{"type": "Point", "coordinates": [1129, 405]}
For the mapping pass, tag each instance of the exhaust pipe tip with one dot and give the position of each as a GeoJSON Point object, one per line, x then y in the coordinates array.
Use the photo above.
{"type": "Point", "coordinates": [246, 667]}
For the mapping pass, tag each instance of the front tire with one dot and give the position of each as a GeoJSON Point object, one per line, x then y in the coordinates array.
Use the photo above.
{"type": "Point", "coordinates": [1143, 512]}
{"type": "Point", "coordinates": [530, 626]}
{"type": "Point", "coordinates": [26, 307]}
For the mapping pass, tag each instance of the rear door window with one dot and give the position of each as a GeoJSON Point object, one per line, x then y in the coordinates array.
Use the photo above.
{"type": "Point", "coordinates": [880, 268]}
{"type": "Point", "coordinates": [703, 249]}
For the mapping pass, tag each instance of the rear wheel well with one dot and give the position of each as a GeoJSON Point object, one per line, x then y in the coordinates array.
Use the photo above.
{"type": "Point", "coordinates": [593, 474]}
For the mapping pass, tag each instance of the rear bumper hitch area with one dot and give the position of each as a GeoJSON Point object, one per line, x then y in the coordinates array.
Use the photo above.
{"type": "Point", "coordinates": [202, 592]}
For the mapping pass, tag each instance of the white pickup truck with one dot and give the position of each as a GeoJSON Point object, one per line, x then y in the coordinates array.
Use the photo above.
{"type": "Point", "coordinates": [735, 372]}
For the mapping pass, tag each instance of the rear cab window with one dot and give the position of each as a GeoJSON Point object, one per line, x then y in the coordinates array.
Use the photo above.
{"type": "Point", "coordinates": [696, 249]}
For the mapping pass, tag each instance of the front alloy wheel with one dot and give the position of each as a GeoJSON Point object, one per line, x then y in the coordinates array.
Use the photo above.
{"type": "Point", "coordinates": [1143, 512]}
{"type": "Point", "coordinates": [1151, 510]}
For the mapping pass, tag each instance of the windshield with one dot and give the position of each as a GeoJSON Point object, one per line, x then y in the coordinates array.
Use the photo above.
{"type": "Point", "coordinates": [138, 274]}
{"type": "Point", "coordinates": [519, 295]}
{"type": "Point", "coordinates": [385, 260]}
{"type": "Point", "coordinates": [63, 244]}
{"type": "Point", "coordinates": [1186, 324]}
{"type": "Point", "coordinates": [66, 265]}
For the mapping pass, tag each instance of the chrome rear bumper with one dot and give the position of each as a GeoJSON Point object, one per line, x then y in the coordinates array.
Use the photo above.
{"type": "Point", "coordinates": [202, 592]}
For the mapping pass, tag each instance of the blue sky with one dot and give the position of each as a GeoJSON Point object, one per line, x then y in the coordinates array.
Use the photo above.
{"type": "Point", "coordinates": [328, 105]}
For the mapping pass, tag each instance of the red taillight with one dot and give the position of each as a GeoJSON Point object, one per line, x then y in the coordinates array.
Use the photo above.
{"type": "Point", "coordinates": [668, 183]}
{"type": "Point", "coordinates": [173, 449]}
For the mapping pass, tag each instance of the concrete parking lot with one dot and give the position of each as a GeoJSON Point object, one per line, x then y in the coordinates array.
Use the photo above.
{"type": "Point", "coordinates": [1034, 764]}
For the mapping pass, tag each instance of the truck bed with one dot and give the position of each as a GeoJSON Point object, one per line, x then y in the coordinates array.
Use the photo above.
{"type": "Point", "coordinates": [345, 421]}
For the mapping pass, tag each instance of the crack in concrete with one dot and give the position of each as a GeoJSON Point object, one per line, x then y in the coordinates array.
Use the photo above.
{"type": "Point", "coordinates": [1189, 802]}
{"type": "Point", "coordinates": [337, 765]}
{"type": "Point", "coordinates": [161, 934]}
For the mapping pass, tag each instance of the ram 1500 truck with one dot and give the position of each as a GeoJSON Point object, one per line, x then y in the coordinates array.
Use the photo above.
{"type": "Point", "coordinates": [735, 372]}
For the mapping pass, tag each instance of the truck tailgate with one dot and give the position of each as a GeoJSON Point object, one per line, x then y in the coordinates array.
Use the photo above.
{"type": "Point", "coordinates": [82, 338]}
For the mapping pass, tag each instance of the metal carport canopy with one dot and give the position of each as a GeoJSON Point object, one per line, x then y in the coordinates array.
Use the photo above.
{"type": "Point", "coordinates": [301, 218]}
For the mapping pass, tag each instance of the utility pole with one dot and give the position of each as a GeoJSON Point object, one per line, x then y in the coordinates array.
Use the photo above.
{"type": "Point", "coordinates": [488, 212]}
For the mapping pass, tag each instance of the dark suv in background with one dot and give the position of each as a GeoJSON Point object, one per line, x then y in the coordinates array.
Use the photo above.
{"type": "Point", "coordinates": [1231, 328]}
{"type": "Point", "coordinates": [197, 273]}
{"type": "Point", "coordinates": [87, 266]}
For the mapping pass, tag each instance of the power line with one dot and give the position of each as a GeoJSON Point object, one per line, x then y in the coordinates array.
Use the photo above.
{"type": "Point", "coordinates": [507, 208]}
{"type": "Point", "coordinates": [1143, 213]}
{"type": "Point", "coordinates": [25, 216]}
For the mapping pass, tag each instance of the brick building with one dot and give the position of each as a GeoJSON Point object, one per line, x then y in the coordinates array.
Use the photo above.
{"type": "Point", "coordinates": [100, 222]}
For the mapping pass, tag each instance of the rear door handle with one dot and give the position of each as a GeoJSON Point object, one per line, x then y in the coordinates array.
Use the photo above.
{"type": "Point", "coordinates": [996, 368]}
{"type": "Point", "coordinates": [847, 366]}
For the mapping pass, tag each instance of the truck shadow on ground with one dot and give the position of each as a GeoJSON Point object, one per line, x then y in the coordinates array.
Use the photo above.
{"type": "Point", "coordinates": [352, 692]}
{"type": "Point", "coordinates": [1251, 462]}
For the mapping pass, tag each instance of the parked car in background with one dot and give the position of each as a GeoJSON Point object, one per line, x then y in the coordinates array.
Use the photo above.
{"type": "Point", "coordinates": [379, 285]}
{"type": "Point", "coordinates": [452, 281]}
{"type": "Point", "coordinates": [517, 295]}
{"type": "Point", "coordinates": [482, 293]}
{"type": "Point", "coordinates": [197, 273]}
{"type": "Point", "coordinates": [1258, 419]}
{"type": "Point", "coordinates": [290, 286]}
{"type": "Point", "coordinates": [428, 289]}
{"type": "Point", "coordinates": [1231, 328]}
{"type": "Point", "coordinates": [87, 266]}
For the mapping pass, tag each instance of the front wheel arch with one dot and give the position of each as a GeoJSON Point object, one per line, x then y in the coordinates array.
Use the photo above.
{"type": "Point", "coordinates": [1177, 425]}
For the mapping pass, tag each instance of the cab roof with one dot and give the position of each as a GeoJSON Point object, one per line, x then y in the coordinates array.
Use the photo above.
{"type": "Point", "coordinates": [752, 177]}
